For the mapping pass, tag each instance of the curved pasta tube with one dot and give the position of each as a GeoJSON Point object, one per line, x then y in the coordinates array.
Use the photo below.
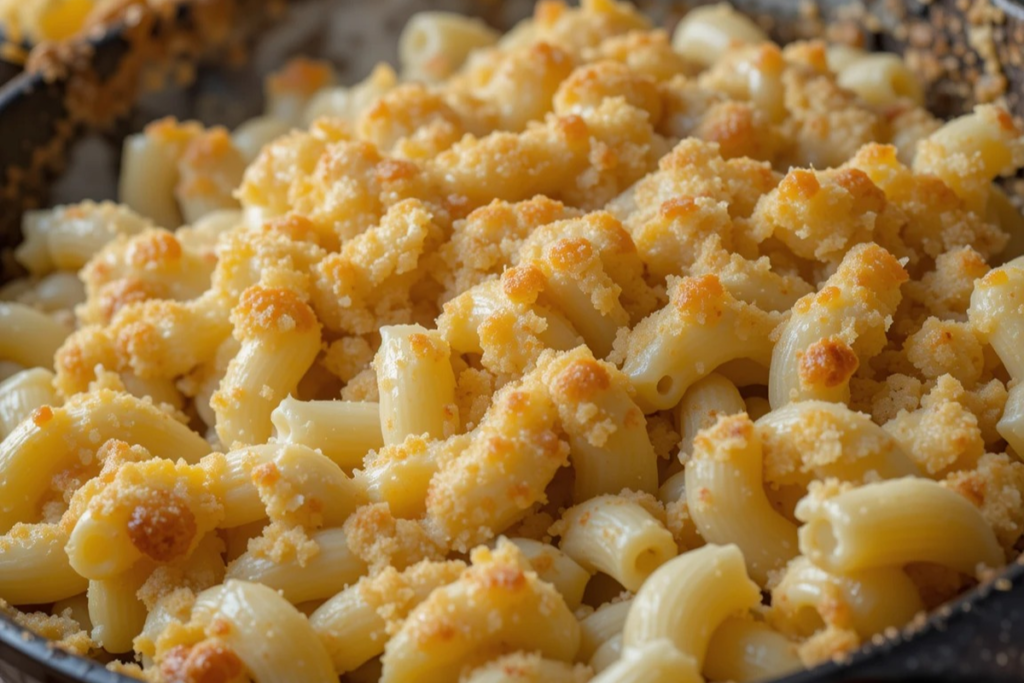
{"type": "Point", "coordinates": [688, 598]}
{"type": "Point", "coordinates": [345, 102]}
{"type": "Point", "coordinates": [656, 661]}
{"type": "Point", "coordinates": [893, 523]}
{"type": "Point", "coordinates": [520, 667]}
{"type": "Point", "coordinates": [509, 460]}
{"type": "Point", "coordinates": [65, 238]}
{"type": "Point", "coordinates": [726, 498]}
{"type": "Point", "coordinates": [350, 628]}
{"type": "Point", "coordinates": [154, 509]}
{"type": "Point", "coordinates": [160, 391]}
{"type": "Point", "coordinates": [57, 438]}
{"type": "Point", "coordinates": [280, 338]}
{"type": "Point", "coordinates": [601, 626]}
{"type": "Point", "coordinates": [701, 321]}
{"type": "Point", "coordinates": [757, 71]}
{"type": "Point", "coordinates": [1011, 424]}
{"type": "Point", "coordinates": [530, 76]}
{"type": "Point", "coordinates": [881, 80]}
{"type": "Point", "coordinates": [570, 274]}
{"type": "Point", "coordinates": [149, 172]}
{"type": "Point", "coordinates": [353, 624]}
{"type": "Point", "coordinates": [57, 292]}
{"type": "Point", "coordinates": [300, 579]}
{"type": "Point", "coordinates": [416, 384]}
{"type": "Point", "coordinates": [996, 315]}
{"type": "Point", "coordinates": [115, 610]}
{"type": "Point", "coordinates": [289, 88]}
{"type": "Point", "coordinates": [703, 404]}
{"type": "Point", "coordinates": [201, 165]}
{"type": "Point", "coordinates": [481, 317]}
{"type": "Point", "coordinates": [744, 650]}
{"type": "Point", "coordinates": [609, 447]}
{"type": "Point", "coordinates": [555, 567]}
{"type": "Point", "coordinates": [458, 622]}
{"type": "Point", "coordinates": [400, 475]}
{"type": "Point", "coordinates": [268, 481]}
{"type": "Point", "coordinates": [433, 45]}
{"type": "Point", "coordinates": [832, 332]}
{"type": "Point", "coordinates": [33, 253]}
{"type": "Point", "coordinates": [34, 568]}
{"type": "Point", "coordinates": [21, 394]}
{"type": "Point", "coordinates": [809, 440]}
{"type": "Point", "coordinates": [970, 151]}
{"type": "Point", "coordinates": [251, 136]}
{"type": "Point", "coordinates": [705, 34]}
{"type": "Point", "coordinates": [607, 654]}
{"type": "Point", "coordinates": [807, 598]}
{"type": "Point", "coordinates": [31, 338]}
{"type": "Point", "coordinates": [673, 488]}
{"type": "Point", "coordinates": [344, 431]}
{"type": "Point", "coordinates": [209, 377]}
{"type": "Point", "coordinates": [839, 56]}
{"type": "Point", "coordinates": [241, 615]}
{"type": "Point", "coordinates": [617, 536]}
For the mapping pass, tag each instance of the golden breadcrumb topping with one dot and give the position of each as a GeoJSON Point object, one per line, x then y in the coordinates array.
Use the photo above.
{"type": "Point", "coordinates": [574, 225]}
{"type": "Point", "coordinates": [62, 628]}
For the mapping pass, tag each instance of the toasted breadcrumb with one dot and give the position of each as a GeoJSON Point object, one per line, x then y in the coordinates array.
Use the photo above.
{"type": "Point", "coordinates": [488, 239]}
{"type": "Point", "coordinates": [568, 206]}
{"type": "Point", "coordinates": [684, 530]}
{"type": "Point", "coordinates": [347, 357]}
{"type": "Point", "coordinates": [996, 486]}
{"type": "Point", "coordinates": [281, 543]}
{"type": "Point", "coordinates": [395, 593]}
{"type": "Point", "coordinates": [382, 541]}
{"type": "Point", "coordinates": [473, 392]}
{"type": "Point", "coordinates": [852, 207]}
{"type": "Point", "coordinates": [831, 643]}
{"type": "Point", "coordinates": [942, 435]}
{"type": "Point", "coordinates": [362, 387]}
{"type": "Point", "coordinates": [513, 455]}
{"type": "Point", "coordinates": [663, 435]}
{"type": "Point", "coordinates": [63, 629]}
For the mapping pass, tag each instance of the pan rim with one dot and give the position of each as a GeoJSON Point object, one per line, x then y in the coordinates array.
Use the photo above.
{"type": "Point", "coordinates": [47, 657]}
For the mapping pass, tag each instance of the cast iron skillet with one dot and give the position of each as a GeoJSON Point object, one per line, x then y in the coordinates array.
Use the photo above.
{"type": "Point", "coordinates": [92, 88]}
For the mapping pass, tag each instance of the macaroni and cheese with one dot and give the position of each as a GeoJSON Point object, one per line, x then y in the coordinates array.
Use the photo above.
{"type": "Point", "coordinates": [588, 352]}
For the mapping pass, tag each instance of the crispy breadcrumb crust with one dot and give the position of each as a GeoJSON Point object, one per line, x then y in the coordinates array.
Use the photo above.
{"type": "Point", "coordinates": [579, 154]}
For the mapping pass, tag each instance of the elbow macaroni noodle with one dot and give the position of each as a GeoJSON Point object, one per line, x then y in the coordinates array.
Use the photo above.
{"type": "Point", "coordinates": [586, 353]}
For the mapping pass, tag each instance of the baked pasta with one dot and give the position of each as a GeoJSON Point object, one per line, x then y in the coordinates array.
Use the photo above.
{"type": "Point", "coordinates": [589, 352]}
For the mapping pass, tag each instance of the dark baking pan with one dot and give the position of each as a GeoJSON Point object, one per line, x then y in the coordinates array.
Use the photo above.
{"type": "Point", "coordinates": [10, 59]}
{"type": "Point", "coordinates": [62, 121]}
